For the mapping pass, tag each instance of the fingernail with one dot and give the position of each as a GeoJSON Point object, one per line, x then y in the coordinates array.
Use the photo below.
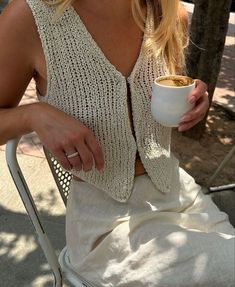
{"type": "Point", "coordinates": [100, 168]}
{"type": "Point", "coordinates": [192, 100]}
{"type": "Point", "coordinates": [185, 118]}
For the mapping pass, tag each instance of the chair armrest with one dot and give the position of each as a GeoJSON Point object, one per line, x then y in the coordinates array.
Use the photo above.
{"type": "Point", "coordinates": [27, 199]}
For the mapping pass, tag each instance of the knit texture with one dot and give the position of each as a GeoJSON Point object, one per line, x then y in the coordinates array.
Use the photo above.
{"type": "Point", "coordinates": [84, 84]}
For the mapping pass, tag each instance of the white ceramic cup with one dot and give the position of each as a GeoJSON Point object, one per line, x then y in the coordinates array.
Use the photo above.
{"type": "Point", "coordinates": [169, 103]}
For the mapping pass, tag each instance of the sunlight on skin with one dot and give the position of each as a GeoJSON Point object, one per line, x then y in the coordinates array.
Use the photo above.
{"type": "Point", "coordinates": [12, 245]}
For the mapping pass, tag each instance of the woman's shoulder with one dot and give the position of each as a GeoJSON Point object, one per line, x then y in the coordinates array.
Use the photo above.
{"type": "Point", "coordinates": [19, 37]}
{"type": "Point", "coordinates": [17, 9]}
{"type": "Point", "coordinates": [17, 21]}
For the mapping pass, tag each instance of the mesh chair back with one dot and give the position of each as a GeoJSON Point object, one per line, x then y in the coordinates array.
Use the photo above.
{"type": "Point", "coordinates": [61, 177]}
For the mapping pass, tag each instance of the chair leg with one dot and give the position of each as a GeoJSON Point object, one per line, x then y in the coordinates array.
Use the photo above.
{"type": "Point", "coordinates": [227, 158]}
{"type": "Point", "coordinates": [222, 188]}
{"type": "Point", "coordinates": [31, 209]}
{"type": "Point", "coordinates": [57, 280]}
{"type": "Point", "coordinates": [52, 259]}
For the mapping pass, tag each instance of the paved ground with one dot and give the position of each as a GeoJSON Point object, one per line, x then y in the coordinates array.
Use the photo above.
{"type": "Point", "coordinates": [21, 261]}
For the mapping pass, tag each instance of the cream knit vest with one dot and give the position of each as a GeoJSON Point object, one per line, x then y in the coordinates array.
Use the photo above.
{"type": "Point", "coordinates": [85, 85]}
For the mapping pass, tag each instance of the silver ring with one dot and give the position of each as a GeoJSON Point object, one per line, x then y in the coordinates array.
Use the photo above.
{"type": "Point", "coordinates": [72, 155]}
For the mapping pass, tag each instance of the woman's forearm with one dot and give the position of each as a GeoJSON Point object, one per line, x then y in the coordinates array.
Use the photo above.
{"type": "Point", "coordinates": [58, 132]}
{"type": "Point", "coordinates": [16, 121]}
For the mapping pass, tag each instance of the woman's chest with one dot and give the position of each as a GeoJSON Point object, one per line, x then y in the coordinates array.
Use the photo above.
{"type": "Point", "coordinates": [119, 44]}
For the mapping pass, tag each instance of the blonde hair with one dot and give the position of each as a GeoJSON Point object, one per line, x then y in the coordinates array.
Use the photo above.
{"type": "Point", "coordinates": [169, 37]}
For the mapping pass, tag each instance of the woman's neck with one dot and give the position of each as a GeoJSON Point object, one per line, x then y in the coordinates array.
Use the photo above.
{"type": "Point", "coordinates": [106, 9]}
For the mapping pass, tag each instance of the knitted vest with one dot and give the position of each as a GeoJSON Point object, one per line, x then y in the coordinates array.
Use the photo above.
{"type": "Point", "coordinates": [84, 84]}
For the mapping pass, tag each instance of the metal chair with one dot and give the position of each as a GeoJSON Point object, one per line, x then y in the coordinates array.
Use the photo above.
{"type": "Point", "coordinates": [225, 161]}
{"type": "Point", "coordinates": [59, 265]}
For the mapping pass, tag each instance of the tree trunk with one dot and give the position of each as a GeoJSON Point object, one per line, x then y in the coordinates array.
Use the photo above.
{"type": "Point", "coordinates": [207, 39]}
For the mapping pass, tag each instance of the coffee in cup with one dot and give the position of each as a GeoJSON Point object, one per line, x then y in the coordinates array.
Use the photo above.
{"type": "Point", "coordinates": [170, 99]}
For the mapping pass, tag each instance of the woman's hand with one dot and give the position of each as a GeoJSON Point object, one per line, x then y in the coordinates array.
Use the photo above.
{"type": "Point", "coordinates": [199, 96]}
{"type": "Point", "coordinates": [63, 136]}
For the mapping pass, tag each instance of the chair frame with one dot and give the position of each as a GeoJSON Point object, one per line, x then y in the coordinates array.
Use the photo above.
{"type": "Point", "coordinates": [58, 264]}
{"type": "Point", "coordinates": [224, 162]}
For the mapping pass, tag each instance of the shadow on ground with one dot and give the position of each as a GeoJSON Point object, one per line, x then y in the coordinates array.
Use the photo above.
{"type": "Point", "coordinates": [201, 158]}
{"type": "Point", "coordinates": [22, 261]}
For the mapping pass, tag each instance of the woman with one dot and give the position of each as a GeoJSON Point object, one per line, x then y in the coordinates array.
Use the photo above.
{"type": "Point", "coordinates": [134, 218]}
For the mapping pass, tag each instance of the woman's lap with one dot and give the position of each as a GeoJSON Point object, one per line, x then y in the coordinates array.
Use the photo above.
{"type": "Point", "coordinates": [186, 243]}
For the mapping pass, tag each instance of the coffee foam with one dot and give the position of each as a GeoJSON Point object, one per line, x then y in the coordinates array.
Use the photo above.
{"type": "Point", "coordinates": [175, 81]}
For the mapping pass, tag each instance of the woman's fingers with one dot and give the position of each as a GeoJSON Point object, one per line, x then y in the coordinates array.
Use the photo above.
{"type": "Point", "coordinates": [199, 110]}
{"type": "Point", "coordinates": [86, 156]}
{"type": "Point", "coordinates": [186, 126]}
{"type": "Point", "coordinates": [74, 159]}
{"type": "Point", "coordinates": [199, 96]}
{"type": "Point", "coordinates": [195, 115]}
{"type": "Point", "coordinates": [84, 153]}
{"type": "Point", "coordinates": [89, 150]}
{"type": "Point", "coordinates": [96, 150]}
{"type": "Point", "coordinates": [79, 152]}
{"type": "Point", "coordinates": [63, 136]}
{"type": "Point", "coordinates": [81, 157]}
{"type": "Point", "coordinates": [198, 92]}
{"type": "Point", "coordinates": [61, 157]}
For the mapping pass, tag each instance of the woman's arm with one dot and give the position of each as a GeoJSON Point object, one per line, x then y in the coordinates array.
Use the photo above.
{"type": "Point", "coordinates": [16, 68]}
{"type": "Point", "coordinates": [60, 133]}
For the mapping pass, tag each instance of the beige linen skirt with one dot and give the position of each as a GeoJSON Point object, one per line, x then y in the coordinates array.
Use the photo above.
{"type": "Point", "coordinates": [168, 240]}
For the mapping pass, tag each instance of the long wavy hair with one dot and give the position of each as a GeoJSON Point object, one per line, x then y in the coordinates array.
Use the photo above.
{"type": "Point", "coordinates": [170, 36]}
